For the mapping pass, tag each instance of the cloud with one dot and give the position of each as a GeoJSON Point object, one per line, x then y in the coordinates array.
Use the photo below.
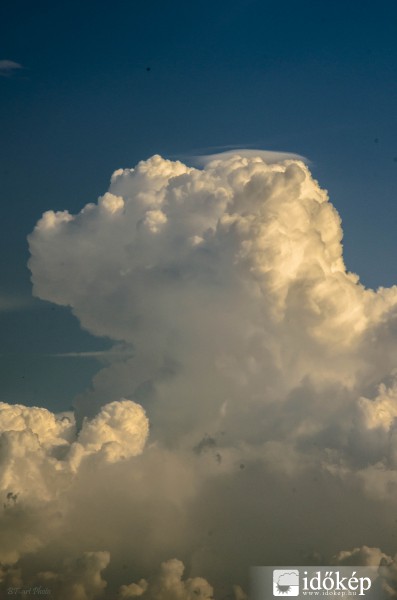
{"type": "Point", "coordinates": [15, 302]}
{"type": "Point", "coordinates": [266, 370]}
{"type": "Point", "coordinates": [169, 585]}
{"type": "Point", "coordinates": [7, 67]}
{"type": "Point", "coordinates": [268, 156]}
{"type": "Point", "coordinates": [385, 584]}
{"type": "Point", "coordinates": [80, 579]}
{"type": "Point", "coordinates": [119, 351]}
{"type": "Point", "coordinates": [363, 556]}
{"type": "Point", "coordinates": [42, 456]}
{"type": "Point", "coordinates": [120, 430]}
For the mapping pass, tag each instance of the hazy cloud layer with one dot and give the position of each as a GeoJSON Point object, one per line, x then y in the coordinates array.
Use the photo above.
{"type": "Point", "coordinates": [266, 370]}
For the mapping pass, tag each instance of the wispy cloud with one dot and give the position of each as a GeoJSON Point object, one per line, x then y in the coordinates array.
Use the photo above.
{"type": "Point", "coordinates": [13, 302]}
{"type": "Point", "coordinates": [201, 159]}
{"type": "Point", "coordinates": [107, 356]}
{"type": "Point", "coordinates": [269, 156]}
{"type": "Point", "coordinates": [92, 354]}
{"type": "Point", "coordinates": [8, 67]}
{"type": "Point", "coordinates": [112, 353]}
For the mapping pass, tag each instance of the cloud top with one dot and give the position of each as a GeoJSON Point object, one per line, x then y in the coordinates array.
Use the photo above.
{"type": "Point", "coordinates": [268, 156]}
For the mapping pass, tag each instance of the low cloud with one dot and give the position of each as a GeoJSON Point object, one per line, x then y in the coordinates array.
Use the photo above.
{"type": "Point", "coordinates": [169, 585]}
{"type": "Point", "coordinates": [385, 584]}
{"type": "Point", "coordinates": [266, 370]}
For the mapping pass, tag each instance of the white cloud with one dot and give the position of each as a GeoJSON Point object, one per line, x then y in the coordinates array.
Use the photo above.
{"type": "Point", "coordinates": [120, 430]}
{"type": "Point", "coordinates": [267, 372]}
{"type": "Point", "coordinates": [42, 457]}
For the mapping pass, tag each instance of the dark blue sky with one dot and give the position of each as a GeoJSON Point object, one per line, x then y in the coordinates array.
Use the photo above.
{"type": "Point", "coordinates": [314, 78]}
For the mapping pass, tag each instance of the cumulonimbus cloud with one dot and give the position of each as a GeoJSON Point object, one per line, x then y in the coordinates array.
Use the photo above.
{"type": "Point", "coordinates": [266, 369]}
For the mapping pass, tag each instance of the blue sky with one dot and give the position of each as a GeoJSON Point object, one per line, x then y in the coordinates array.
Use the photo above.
{"type": "Point", "coordinates": [104, 85]}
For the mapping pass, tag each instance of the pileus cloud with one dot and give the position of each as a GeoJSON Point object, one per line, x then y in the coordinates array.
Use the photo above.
{"type": "Point", "coordinates": [266, 369]}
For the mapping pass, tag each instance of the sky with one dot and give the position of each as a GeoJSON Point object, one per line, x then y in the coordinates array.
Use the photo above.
{"type": "Point", "coordinates": [317, 80]}
{"type": "Point", "coordinates": [214, 296]}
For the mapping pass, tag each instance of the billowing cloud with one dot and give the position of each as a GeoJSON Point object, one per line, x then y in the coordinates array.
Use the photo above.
{"type": "Point", "coordinates": [364, 556]}
{"type": "Point", "coordinates": [169, 585]}
{"type": "Point", "coordinates": [120, 430]}
{"type": "Point", "coordinates": [42, 457]}
{"type": "Point", "coordinates": [385, 583]}
{"type": "Point", "coordinates": [266, 369]}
